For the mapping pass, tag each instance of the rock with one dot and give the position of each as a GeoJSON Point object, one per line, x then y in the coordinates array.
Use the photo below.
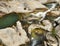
{"type": "Point", "coordinates": [58, 30]}
{"type": "Point", "coordinates": [32, 26]}
{"type": "Point", "coordinates": [20, 6]}
{"type": "Point", "coordinates": [55, 12]}
{"type": "Point", "coordinates": [13, 36]}
{"type": "Point", "coordinates": [51, 40]}
{"type": "Point", "coordinates": [47, 26]}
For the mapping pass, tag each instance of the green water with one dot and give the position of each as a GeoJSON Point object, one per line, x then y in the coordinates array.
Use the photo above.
{"type": "Point", "coordinates": [8, 20]}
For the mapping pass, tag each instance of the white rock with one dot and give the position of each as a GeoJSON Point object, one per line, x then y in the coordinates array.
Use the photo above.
{"type": "Point", "coordinates": [57, 20]}
{"type": "Point", "coordinates": [46, 1]}
{"type": "Point", "coordinates": [42, 1]}
{"type": "Point", "coordinates": [21, 6]}
{"type": "Point", "coordinates": [58, 30]}
{"type": "Point", "coordinates": [12, 37]}
{"type": "Point", "coordinates": [47, 26]}
{"type": "Point", "coordinates": [31, 4]}
{"type": "Point", "coordinates": [51, 40]}
{"type": "Point", "coordinates": [43, 14]}
{"type": "Point", "coordinates": [32, 26]}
